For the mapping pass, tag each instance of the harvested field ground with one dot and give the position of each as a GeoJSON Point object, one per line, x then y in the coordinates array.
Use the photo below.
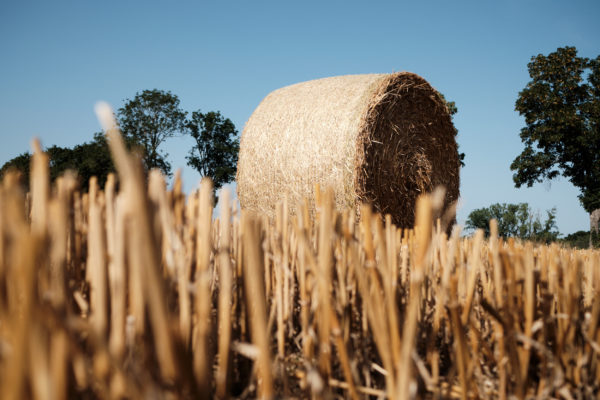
{"type": "Point", "coordinates": [141, 293]}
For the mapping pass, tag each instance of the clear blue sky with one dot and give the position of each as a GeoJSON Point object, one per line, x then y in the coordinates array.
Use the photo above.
{"type": "Point", "coordinates": [58, 58]}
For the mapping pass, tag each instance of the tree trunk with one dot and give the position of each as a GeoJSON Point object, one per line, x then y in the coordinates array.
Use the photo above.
{"type": "Point", "coordinates": [594, 218]}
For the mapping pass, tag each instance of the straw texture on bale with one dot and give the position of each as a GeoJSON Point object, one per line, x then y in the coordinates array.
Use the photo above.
{"type": "Point", "coordinates": [377, 138]}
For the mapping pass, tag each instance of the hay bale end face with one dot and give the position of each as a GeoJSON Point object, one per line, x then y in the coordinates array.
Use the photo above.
{"type": "Point", "coordinates": [381, 138]}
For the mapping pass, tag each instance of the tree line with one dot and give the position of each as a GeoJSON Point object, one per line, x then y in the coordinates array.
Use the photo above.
{"type": "Point", "coordinates": [515, 220]}
{"type": "Point", "coordinates": [147, 121]}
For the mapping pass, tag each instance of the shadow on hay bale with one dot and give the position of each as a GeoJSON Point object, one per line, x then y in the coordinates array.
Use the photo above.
{"type": "Point", "coordinates": [381, 138]}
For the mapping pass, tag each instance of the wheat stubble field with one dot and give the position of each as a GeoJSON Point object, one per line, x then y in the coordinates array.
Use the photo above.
{"type": "Point", "coordinates": [135, 291]}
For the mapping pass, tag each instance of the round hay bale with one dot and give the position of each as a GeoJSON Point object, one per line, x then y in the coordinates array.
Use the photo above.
{"type": "Point", "coordinates": [378, 138]}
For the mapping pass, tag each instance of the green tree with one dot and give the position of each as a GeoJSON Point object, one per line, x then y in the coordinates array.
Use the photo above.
{"type": "Point", "coordinates": [148, 120]}
{"type": "Point", "coordinates": [21, 164]}
{"type": "Point", "coordinates": [215, 152]}
{"type": "Point", "coordinates": [581, 239]}
{"type": "Point", "coordinates": [92, 159]}
{"type": "Point", "coordinates": [87, 160]}
{"type": "Point", "coordinates": [515, 220]}
{"type": "Point", "coordinates": [561, 106]}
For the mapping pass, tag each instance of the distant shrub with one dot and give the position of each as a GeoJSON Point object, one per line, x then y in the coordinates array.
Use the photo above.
{"type": "Point", "coordinates": [581, 240]}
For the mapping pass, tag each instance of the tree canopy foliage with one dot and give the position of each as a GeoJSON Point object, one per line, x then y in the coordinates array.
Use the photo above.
{"type": "Point", "coordinates": [561, 106]}
{"type": "Point", "coordinates": [87, 160]}
{"type": "Point", "coordinates": [515, 220]}
{"type": "Point", "coordinates": [582, 239]}
{"type": "Point", "coordinates": [148, 120]}
{"type": "Point", "coordinates": [215, 152]}
{"type": "Point", "coordinates": [21, 164]}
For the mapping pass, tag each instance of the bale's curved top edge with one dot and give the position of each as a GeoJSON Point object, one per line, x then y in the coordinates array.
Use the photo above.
{"type": "Point", "coordinates": [382, 75]}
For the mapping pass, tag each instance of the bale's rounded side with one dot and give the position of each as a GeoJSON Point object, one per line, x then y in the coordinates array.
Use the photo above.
{"type": "Point", "coordinates": [381, 138]}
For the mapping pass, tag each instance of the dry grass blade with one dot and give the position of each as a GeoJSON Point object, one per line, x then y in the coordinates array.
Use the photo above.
{"type": "Point", "coordinates": [225, 303]}
{"type": "Point", "coordinates": [96, 262]}
{"type": "Point", "coordinates": [256, 304]}
{"type": "Point", "coordinates": [324, 283]}
{"type": "Point", "coordinates": [39, 188]}
{"type": "Point", "coordinates": [202, 351]}
{"type": "Point", "coordinates": [423, 229]}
